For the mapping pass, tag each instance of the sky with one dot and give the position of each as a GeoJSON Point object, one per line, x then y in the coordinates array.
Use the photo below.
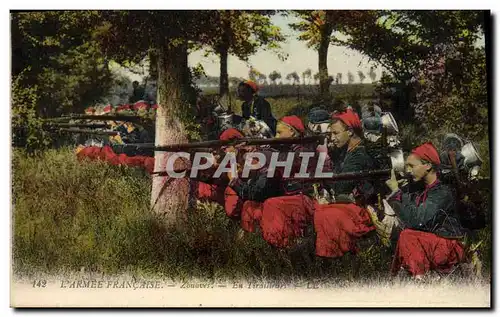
{"type": "Point", "coordinates": [340, 59]}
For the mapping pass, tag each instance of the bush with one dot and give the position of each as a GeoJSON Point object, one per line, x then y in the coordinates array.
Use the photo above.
{"type": "Point", "coordinates": [27, 129]}
{"type": "Point", "coordinates": [451, 86]}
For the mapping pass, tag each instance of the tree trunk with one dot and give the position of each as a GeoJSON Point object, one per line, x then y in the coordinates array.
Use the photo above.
{"type": "Point", "coordinates": [324, 83]}
{"type": "Point", "coordinates": [224, 77]}
{"type": "Point", "coordinates": [170, 196]}
{"type": "Point", "coordinates": [153, 66]}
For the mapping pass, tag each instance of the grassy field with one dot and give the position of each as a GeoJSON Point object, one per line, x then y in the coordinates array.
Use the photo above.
{"type": "Point", "coordinates": [70, 216]}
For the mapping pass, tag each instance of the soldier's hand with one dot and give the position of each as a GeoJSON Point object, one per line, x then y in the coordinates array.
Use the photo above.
{"type": "Point", "coordinates": [403, 182]}
{"type": "Point", "coordinates": [392, 182]}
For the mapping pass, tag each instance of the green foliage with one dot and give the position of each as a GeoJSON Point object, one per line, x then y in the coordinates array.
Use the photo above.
{"type": "Point", "coordinates": [350, 78]}
{"type": "Point", "coordinates": [399, 40]}
{"type": "Point", "coordinates": [451, 86]}
{"type": "Point", "coordinates": [316, 29]}
{"type": "Point", "coordinates": [273, 76]}
{"type": "Point", "coordinates": [27, 129]}
{"type": "Point", "coordinates": [242, 33]}
{"type": "Point", "coordinates": [63, 58]}
{"type": "Point", "coordinates": [361, 76]}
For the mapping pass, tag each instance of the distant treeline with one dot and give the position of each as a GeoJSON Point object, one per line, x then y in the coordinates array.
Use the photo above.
{"type": "Point", "coordinates": [362, 90]}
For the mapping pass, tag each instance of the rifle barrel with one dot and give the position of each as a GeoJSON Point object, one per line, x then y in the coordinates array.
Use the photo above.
{"type": "Point", "coordinates": [83, 131]}
{"type": "Point", "coordinates": [98, 118]}
{"type": "Point", "coordinates": [247, 141]}
{"type": "Point", "coordinates": [376, 174]}
{"type": "Point", "coordinates": [77, 125]}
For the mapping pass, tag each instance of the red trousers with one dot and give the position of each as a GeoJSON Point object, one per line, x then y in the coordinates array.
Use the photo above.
{"type": "Point", "coordinates": [338, 227]}
{"type": "Point", "coordinates": [285, 218]}
{"type": "Point", "coordinates": [106, 154]}
{"type": "Point", "coordinates": [232, 203]}
{"type": "Point", "coordinates": [251, 215]}
{"type": "Point", "coordinates": [249, 211]}
{"type": "Point", "coordinates": [419, 251]}
{"type": "Point", "coordinates": [210, 192]}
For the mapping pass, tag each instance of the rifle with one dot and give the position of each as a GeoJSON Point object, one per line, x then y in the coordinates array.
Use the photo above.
{"type": "Point", "coordinates": [221, 143]}
{"type": "Point", "coordinates": [150, 147]}
{"type": "Point", "coordinates": [56, 125]}
{"type": "Point", "coordinates": [98, 118]}
{"type": "Point", "coordinates": [375, 174]}
{"type": "Point", "coordinates": [83, 131]}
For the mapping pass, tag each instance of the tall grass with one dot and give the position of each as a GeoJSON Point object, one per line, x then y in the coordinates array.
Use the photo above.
{"type": "Point", "coordinates": [70, 215]}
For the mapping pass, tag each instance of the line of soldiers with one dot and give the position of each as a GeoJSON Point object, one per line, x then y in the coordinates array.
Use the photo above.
{"type": "Point", "coordinates": [129, 132]}
{"type": "Point", "coordinates": [421, 222]}
{"type": "Point", "coordinates": [428, 234]}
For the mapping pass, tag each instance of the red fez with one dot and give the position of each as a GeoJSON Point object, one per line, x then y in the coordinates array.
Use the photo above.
{"type": "Point", "coordinates": [155, 106]}
{"type": "Point", "coordinates": [294, 122]}
{"type": "Point", "coordinates": [123, 107]}
{"type": "Point", "coordinates": [349, 117]}
{"type": "Point", "coordinates": [140, 105]}
{"type": "Point", "coordinates": [252, 84]}
{"type": "Point", "coordinates": [107, 109]}
{"type": "Point", "coordinates": [427, 152]}
{"type": "Point", "coordinates": [230, 134]}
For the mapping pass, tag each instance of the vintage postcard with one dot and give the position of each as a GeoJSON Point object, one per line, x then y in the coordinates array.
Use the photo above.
{"type": "Point", "coordinates": [251, 158]}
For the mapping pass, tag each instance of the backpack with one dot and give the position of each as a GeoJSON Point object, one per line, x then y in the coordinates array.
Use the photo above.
{"type": "Point", "coordinates": [471, 207]}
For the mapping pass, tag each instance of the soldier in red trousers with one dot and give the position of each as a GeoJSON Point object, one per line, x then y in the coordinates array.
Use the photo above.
{"type": "Point", "coordinates": [339, 225]}
{"type": "Point", "coordinates": [284, 218]}
{"type": "Point", "coordinates": [431, 236]}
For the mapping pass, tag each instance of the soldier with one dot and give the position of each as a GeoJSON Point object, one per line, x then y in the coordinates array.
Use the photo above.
{"type": "Point", "coordinates": [284, 218]}
{"type": "Point", "coordinates": [108, 110]}
{"type": "Point", "coordinates": [319, 124]}
{"type": "Point", "coordinates": [338, 226]}
{"type": "Point", "coordinates": [210, 189]}
{"type": "Point", "coordinates": [245, 195]}
{"type": "Point", "coordinates": [141, 108]}
{"type": "Point", "coordinates": [206, 187]}
{"type": "Point", "coordinates": [89, 110]}
{"type": "Point", "coordinates": [204, 107]}
{"type": "Point", "coordinates": [254, 105]}
{"type": "Point", "coordinates": [138, 93]}
{"type": "Point", "coordinates": [236, 195]}
{"type": "Point", "coordinates": [107, 154]}
{"type": "Point", "coordinates": [432, 232]}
